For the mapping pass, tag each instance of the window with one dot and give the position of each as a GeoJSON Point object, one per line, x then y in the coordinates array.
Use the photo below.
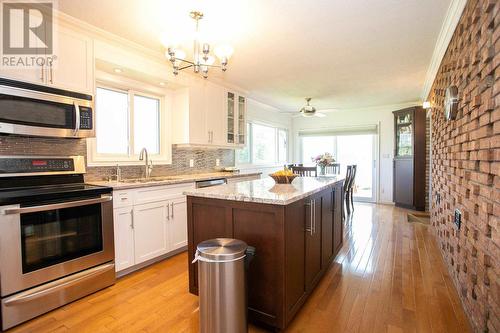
{"type": "Point", "coordinates": [111, 121]}
{"type": "Point", "coordinates": [147, 124]}
{"type": "Point", "coordinates": [263, 144]}
{"type": "Point", "coordinates": [282, 145]}
{"type": "Point", "coordinates": [313, 146]}
{"type": "Point", "coordinates": [126, 122]}
{"type": "Point", "coordinates": [266, 145]}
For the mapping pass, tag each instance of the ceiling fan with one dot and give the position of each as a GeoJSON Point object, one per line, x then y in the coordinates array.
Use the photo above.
{"type": "Point", "coordinates": [310, 111]}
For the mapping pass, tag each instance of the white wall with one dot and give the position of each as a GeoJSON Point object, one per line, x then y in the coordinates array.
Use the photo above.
{"type": "Point", "coordinates": [380, 116]}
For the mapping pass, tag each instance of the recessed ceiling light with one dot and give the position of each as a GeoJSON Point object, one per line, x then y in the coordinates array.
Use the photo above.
{"type": "Point", "coordinates": [118, 70]}
{"type": "Point", "coordinates": [162, 84]}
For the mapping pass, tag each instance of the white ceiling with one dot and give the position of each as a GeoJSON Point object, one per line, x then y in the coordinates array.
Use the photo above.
{"type": "Point", "coordinates": [345, 54]}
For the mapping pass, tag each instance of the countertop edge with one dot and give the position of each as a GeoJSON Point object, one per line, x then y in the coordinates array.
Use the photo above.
{"type": "Point", "coordinates": [127, 186]}
{"type": "Point", "coordinates": [261, 200]}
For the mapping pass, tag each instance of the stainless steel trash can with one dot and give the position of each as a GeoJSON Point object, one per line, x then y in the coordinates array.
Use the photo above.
{"type": "Point", "coordinates": [222, 285]}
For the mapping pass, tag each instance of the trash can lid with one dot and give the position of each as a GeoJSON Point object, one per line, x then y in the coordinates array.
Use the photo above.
{"type": "Point", "coordinates": [222, 249]}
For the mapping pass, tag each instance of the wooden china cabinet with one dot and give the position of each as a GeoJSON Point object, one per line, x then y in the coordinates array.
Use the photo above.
{"type": "Point", "coordinates": [409, 158]}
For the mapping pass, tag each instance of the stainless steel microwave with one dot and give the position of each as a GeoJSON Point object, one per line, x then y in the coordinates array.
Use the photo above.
{"type": "Point", "coordinates": [35, 110]}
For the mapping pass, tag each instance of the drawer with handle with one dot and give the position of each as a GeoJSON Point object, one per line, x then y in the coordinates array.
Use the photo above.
{"type": "Point", "coordinates": [122, 199]}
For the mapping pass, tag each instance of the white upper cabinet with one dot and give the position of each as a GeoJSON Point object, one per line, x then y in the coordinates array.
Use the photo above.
{"type": "Point", "coordinates": [33, 74]}
{"type": "Point", "coordinates": [203, 115]}
{"type": "Point", "coordinates": [73, 68]}
{"type": "Point", "coordinates": [214, 110]}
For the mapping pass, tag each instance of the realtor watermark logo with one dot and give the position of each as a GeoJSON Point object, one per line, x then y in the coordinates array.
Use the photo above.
{"type": "Point", "coordinates": [27, 33]}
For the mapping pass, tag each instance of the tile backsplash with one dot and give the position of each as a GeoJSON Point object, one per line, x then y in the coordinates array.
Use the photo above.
{"type": "Point", "coordinates": [204, 159]}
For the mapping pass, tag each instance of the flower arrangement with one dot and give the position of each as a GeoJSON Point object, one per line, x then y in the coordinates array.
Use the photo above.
{"type": "Point", "coordinates": [323, 160]}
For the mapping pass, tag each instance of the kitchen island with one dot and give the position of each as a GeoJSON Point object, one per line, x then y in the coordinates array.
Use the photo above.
{"type": "Point", "coordinates": [295, 228]}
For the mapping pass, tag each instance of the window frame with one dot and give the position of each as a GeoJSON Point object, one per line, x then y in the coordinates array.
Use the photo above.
{"type": "Point", "coordinates": [249, 144]}
{"type": "Point", "coordinates": [132, 158]}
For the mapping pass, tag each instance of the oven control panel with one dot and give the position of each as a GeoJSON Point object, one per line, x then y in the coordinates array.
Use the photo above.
{"type": "Point", "coordinates": [34, 165]}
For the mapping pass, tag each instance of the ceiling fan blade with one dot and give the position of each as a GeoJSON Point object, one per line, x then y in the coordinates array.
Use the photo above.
{"type": "Point", "coordinates": [320, 115]}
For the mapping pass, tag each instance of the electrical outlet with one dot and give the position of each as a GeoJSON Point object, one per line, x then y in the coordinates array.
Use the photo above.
{"type": "Point", "coordinates": [191, 163]}
{"type": "Point", "coordinates": [217, 162]}
{"type": "Point", "coordinates": [458, 218]}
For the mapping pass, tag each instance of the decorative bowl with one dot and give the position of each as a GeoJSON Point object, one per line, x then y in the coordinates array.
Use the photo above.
{"type": "Point", "coordinates": [283, 179]}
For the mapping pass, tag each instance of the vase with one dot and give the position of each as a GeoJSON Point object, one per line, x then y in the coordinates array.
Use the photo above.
{"type": "Point", "coordinates": [322, 170]}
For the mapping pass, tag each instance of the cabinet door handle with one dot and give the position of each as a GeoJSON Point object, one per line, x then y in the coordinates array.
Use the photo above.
{"type": "Point", "coordinates": [309, 230]}
{"type": "Point", "coordinates": [314, 217]}
{"type": "Point", "coordinates": [172, 205]}
{"type": "Point", "coordinates": [132, 219]}
{"type": "Point", "coordinates": [333, 200]}
{"type": "Point", "coordinates": [168, 211]}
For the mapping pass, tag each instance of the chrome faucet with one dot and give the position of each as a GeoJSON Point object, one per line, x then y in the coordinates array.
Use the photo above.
{"type": "Point", "coordinates": [148, 165]}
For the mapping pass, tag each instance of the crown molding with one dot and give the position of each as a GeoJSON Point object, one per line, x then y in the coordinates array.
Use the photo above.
{"type": "Point", "coordinates": [450, 23]}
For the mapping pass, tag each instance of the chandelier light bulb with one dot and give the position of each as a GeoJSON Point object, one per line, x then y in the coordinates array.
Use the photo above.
{"type": "Point", "coordinates": [206, 48]}
{"type": "Point", "coordinates": [180, 54]}
{"type": "Point", "coordinates": [202, 60]}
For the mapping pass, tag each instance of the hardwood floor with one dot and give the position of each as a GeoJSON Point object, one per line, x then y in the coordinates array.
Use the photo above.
{"type": "Point", "coordinates": [388, 277]}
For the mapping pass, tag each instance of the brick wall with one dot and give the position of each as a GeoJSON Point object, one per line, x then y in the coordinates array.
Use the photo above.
{"type": "Point", "coordinates": [466, 163]}
{"type": "Point", "coordinates": [204, 159]}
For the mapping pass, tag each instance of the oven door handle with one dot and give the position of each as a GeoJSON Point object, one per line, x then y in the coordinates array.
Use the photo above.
{"type": "Point", "coordinates": [69, 204]}
{"type": "Point", "coordinates": [57, 285]}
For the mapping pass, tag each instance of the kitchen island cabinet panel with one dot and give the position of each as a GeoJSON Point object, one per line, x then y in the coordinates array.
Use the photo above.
{"type": "Point", "coordinates": [293, 241]}
{"type": "Point", "coordinates": [262, 230]}
{"type": "Point", "coordinates": [313, 241]}
{"type": "Point", "coordinates": [295, 256]}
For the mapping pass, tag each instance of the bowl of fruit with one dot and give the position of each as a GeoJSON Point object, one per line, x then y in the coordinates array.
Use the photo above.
{"type": "Point", "coordinates": [283, 176]}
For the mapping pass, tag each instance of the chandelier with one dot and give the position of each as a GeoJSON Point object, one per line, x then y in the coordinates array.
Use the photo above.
{"type": "Point", "coordinates": [202, 59]}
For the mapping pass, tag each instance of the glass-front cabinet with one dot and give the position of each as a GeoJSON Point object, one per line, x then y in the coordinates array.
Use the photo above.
{"type": "Point", "coordinates": [404, 134]}
{"type": "Point", "coordinates": [230, 117]}
{"type": "Point", "coordinates": [240, 130]}
{"type": "Point", "coordinates": [235, 118]}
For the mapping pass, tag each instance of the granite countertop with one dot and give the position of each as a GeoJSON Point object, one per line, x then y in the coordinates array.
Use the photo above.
{"type": "Point", "coordinates": [171, 180]}
{"type": "Point", "coordinates": [266, 190]}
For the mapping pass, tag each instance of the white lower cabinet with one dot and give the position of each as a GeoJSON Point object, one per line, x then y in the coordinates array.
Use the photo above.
{"type": "Point", "coordinates": [150, 231]}
{"type": "Point", "coordinates": [178, 223]}
{"type": "Point", "coordinates": [124, 237]}
{"type": "Point", "coordinates": [151, 222]}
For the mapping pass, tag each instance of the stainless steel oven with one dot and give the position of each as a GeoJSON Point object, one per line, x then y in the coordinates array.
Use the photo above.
{"type": "Point", "coordinates": [56, 236]}
{"type": "Point", "coordinates": [35, 110]}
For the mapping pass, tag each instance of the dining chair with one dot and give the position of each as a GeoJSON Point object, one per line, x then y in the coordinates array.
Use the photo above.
{"type": "Point", "coordinates": [347, 182]}
{"type": "Point", "coordinates": [351, 185]}
{"type": "Point", "coordinates": [305, 171]}
{"type": "Point", "coordinates": [333, 169]}
{"type": "Point", "coordinates": [290, 166]}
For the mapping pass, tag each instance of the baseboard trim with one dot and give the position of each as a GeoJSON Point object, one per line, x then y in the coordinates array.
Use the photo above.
{"type": "Point", "coordinates": [150, 262]}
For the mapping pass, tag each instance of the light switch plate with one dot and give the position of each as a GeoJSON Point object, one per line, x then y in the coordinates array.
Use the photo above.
{"type": "Point", "coordinates": [217, 162]}
{"type": "Point", "coordinates": [191, 163]}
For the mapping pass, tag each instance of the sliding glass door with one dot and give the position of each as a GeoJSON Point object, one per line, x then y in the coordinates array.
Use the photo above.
{"type": "Point", "coordinates": [359, 150]}
{"type": "Point", "coordinates": [348, 149]}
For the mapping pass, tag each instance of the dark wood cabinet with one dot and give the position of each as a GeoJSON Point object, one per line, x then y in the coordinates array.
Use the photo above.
{"type": "Point", "coordinates": [409, 158]}
{"type": "Point", "coordinates": [327, 215]}
{"type": "Point", "coordinates": [295, 244]}
{"type": "Point", "coordinates": [313, 241]}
